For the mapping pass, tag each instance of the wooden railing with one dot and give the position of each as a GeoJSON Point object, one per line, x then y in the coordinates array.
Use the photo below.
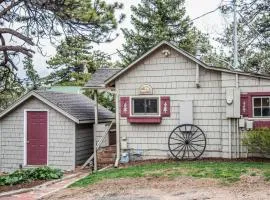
{"type": "Point", "coordinates": [107, 131]}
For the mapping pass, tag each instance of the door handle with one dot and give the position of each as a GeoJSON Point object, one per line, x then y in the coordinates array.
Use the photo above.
{"type": "Point", "coordinates": [28, 142]}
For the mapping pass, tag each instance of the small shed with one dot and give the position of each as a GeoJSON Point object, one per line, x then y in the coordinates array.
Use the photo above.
{"type": "Point", "coordinates": [48, 128]}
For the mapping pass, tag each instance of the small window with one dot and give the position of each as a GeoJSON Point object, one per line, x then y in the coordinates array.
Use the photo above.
{"type": "Point", "coordinates": [145, 106]}
{"type": "Point", "coordinates": [261, 107]}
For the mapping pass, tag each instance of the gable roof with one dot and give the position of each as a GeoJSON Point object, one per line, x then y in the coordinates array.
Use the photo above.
{"type": "Point", "coordinates": [99, 77]}
{"type": "Point", "coordinates": [186, 54]}
{"type": "Point", "coordinates": [76, 107]}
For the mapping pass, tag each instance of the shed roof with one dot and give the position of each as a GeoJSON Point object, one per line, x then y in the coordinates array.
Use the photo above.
{"type": "Point", "coordinates": [99, 77]}
{"type": "Point", "coordinates": [77, 107]}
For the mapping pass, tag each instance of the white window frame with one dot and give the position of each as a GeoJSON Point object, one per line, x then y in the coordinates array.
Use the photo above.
{"type": "Point", "coordinates": [144, 115]}
{"type": "Point", "coordinates": [253, 107]}
{"type": "Point", "coordinates": [25, 134]}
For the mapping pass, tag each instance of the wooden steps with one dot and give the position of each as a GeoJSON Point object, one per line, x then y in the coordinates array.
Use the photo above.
{"type": "Point", "coordinates": [106, 156]}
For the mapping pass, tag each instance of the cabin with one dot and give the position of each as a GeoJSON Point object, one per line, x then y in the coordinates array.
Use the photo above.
{"type": "Point", "coordinates": [46, 128]}
{"type": "Point", "coordinates": [169, 104]}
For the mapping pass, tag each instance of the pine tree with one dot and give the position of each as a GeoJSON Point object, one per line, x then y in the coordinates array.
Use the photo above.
{"type": "Point", "coordinates": [74, 62]}
{"type": "Point", "coordinates": [253, 35]}
{"type": "Point", "coordinates": [157, 20]}
{"type": "Point", "coordinates": [33, 80]}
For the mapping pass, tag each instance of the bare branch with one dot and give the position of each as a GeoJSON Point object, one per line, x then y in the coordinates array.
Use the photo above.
{"type": "Point", "coordinates": [17, 34]}
{"type": "Point", "coordinates": [9, 7]}
{"type": "Point", "coordinates": [22, 50]}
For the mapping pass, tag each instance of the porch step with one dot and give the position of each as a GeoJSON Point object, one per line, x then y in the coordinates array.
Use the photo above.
{"type": "Point", "coordinates": [106, 155]}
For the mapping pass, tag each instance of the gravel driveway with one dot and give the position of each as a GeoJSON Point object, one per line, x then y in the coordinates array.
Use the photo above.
{"type": "Point", "coordinates": [249, 187]}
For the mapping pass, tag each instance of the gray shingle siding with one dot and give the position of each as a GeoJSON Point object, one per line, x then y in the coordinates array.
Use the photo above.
{"type": "Point", "coordinates": [84, 142]}
{"type": "Point", "coordinates": [175, 76]}
{"type": "Point", "coordinates": [61, 138]}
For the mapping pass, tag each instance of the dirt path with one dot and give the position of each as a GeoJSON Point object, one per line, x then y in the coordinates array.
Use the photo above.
{"type": "Point", "coordinates": [163, 188]}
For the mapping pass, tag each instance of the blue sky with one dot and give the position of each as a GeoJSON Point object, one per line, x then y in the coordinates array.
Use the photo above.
{"type": "Point", "coordinates": [213, 24]}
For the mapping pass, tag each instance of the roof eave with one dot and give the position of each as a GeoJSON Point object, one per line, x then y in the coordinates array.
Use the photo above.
{"type": "Point", "coordinates": [93, 121]}
{"type": "Point", "coordinates": [30, 94]}
{"type": "Point", "coordinates": [194, 59]}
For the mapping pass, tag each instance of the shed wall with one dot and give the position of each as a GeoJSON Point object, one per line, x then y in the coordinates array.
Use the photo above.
{"type": "Point", "coordinates": [61, 138]}
{"type": "Point", "coordinates": [84, 142]}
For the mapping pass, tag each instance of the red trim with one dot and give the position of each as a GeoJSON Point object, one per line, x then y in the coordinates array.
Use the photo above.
{"type": "Point", "coordinates": [259, 93]}
{"type": "Point", "coordinates": [261, 124]}
{"type": "Point", "coordinates": [247, 98]}
{"type": "Point", "coordinates": [144, 120]}
{"type": "Point", "coordinates": [165, 106]}
{"type": "Point", "coordinates": [244, 105]}
{"type": "Point", "coordinates": [125, 106]}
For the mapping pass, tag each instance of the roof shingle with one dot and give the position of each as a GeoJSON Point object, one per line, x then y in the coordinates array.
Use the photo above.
{"type": "Point", "coordinates": [100, 76]}
{"type": "Point", "coordinates": [77, 105]}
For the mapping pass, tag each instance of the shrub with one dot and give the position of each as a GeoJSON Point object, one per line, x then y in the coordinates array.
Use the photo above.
{"type": "Point", "coordinates": [258, 141]}
{"type": "Point", "coordinates": [27, 175]}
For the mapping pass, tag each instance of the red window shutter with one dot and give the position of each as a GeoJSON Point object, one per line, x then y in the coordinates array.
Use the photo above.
{"type": "Point", "coordinates": [125, 106]}
{"type": "Point", "coordinates": [165, 106]}
{"type": "Point", "coordinates": [244, 110]}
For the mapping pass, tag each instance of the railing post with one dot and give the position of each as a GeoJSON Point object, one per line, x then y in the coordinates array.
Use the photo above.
{"type": "Point", "coordinates": [95, 129]}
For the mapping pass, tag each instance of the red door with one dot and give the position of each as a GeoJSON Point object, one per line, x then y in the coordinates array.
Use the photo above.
{"type": "Point", "coordinates": [37, 138]}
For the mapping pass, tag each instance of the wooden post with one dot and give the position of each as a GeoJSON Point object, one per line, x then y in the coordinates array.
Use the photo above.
{"type": "Point", "coordinates": [117, 112]}
{"type": "Point", "coordinates": [95, 129]}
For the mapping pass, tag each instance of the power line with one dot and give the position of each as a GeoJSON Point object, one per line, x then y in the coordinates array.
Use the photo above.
{"type": "Point", "coordinates": [252, 27]}
{"type": "Point", "coordinates": [212, 11]}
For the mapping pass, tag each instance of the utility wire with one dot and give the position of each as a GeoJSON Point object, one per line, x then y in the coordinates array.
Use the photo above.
{"type": "Point", "coordinates": [252, 27]}
{"type": "Point", "coordinates": [196, 18]}
{"type": "Point", "coordinates": [212, 11]}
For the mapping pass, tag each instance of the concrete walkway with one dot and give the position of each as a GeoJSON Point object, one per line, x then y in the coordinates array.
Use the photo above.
{"type": "Point", "coordinates": [46, 189]}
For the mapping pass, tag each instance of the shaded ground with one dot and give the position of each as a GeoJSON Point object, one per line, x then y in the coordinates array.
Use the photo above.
{"type": "Point", "coordinates": [157, 188]}
{"type": "Point", "coordinates": [22, 185]}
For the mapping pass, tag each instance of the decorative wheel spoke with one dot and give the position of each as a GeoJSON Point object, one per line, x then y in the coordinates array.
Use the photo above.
{"type": "Point", "coordinates": [187, 141]}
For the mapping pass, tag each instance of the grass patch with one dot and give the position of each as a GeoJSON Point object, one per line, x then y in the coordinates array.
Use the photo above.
{"type": "Point", "coordinates": [225, 171]}
{"type": "Point", "coordinates": [267, 175]}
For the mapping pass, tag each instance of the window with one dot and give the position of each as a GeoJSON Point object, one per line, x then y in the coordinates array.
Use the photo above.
{"type": "Point", "coordinates": [145, 106]}
{"type": "Point", "coordinates": [261, 107]}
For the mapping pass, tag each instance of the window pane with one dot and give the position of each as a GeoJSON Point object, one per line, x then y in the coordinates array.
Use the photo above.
{"type": "Point", "coordinates": [265, 112]}
{"type": "Point", "coordinates": [138, 105]}
{"type": "Point", "coordinates": [257, 112]}
{"type": "Point", "coordinates": [257, 102]}
{"type": "Point", "coordinates": [265, 101]}
{"type": "Point", "coordinates": [151, 106]}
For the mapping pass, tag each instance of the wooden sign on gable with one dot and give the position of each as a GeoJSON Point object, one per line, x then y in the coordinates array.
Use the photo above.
{"type": "Point", "coordinates": [146, 89]}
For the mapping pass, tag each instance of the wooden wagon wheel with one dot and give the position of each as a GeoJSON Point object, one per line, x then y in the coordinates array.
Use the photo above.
{"type": "Point", "coordinates": [187, 142]}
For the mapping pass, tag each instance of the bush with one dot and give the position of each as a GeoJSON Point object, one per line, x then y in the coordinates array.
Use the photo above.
{"type": "Point", "coordinates": [27, 175]}
{"type": "Point", "coordinates": [258, 141]}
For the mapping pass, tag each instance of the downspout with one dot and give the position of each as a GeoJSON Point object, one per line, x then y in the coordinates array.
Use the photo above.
{"type": "Point", "coordinates": [237, 121]}
{"type": "Point", "coordinates": [230, 138]}
{"type": "Point", "coordinates": [197, 76]}
{"type": "Point", "coordinates": [95, 129]}
{"type": "Point", "coordinates": [117, 129]}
